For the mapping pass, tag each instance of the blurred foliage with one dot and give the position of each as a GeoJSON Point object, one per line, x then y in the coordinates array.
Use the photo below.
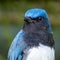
{"type": "Point", "coordinates": [11, 20]}
{"type": "Point", "coordinates": [26, 0]}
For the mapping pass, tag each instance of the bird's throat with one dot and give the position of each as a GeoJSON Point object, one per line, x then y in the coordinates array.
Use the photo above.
{"type": "Point", "coordinates": [34, 38]}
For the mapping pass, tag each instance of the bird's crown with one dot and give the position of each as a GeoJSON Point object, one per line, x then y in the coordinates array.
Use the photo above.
{"type": "Point", "coordinates": [36, 12]}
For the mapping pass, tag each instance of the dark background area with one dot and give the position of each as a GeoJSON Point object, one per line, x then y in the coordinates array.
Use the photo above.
{"type": "Point", "coordinates": [11, 21]}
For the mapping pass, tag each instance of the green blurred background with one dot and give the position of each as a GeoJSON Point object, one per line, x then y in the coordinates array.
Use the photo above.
{"type": "Point", "coordinates": [11, 21]}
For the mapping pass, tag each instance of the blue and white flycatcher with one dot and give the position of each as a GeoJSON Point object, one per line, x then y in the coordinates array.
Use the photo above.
{"type": "Point", "coordinates": [35, 40]}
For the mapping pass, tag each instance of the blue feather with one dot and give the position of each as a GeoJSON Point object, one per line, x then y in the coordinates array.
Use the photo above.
{"type": "Point", "coordinates": [34, 13]}
{"type": "Point", "coordinates": [16, 47]}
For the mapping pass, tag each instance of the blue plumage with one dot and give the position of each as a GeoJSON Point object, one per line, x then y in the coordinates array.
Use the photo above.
{"type": "Point", "coordinates": [36, 30]}
{"type": "Point", "coordinates": [16, 47]}
{"type": "Point", "coordinates": [34, 13]}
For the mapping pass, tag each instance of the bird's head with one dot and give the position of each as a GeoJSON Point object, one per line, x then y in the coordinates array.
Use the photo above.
{"type": "Point", "coordinates": [36, 19]}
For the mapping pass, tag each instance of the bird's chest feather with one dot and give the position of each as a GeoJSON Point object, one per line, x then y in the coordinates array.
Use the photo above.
{"type": "Point", "coordinates": [39, 53]}
{"type": "Point", "coordinates": [33, 39]}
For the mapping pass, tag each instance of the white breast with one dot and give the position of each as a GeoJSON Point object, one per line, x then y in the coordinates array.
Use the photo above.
{"type": "Point", "coordinates": [41, 53]}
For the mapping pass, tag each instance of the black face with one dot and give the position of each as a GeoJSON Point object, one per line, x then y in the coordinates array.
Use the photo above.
{"type": "Point", "coordinates": [36, 31]}
{"type": "Point", "coordinates": [35, 24]}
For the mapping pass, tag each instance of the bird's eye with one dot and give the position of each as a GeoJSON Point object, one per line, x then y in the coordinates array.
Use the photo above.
{"type": "Point", "coordinates": [40, 18]}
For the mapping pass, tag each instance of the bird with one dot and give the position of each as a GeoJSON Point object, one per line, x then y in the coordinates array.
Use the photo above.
{"type": "Point", "coordinates": [35, 40]}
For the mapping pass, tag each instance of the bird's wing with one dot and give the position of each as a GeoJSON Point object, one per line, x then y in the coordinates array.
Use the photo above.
{"type": "Point", "coordinates": [16, 47]}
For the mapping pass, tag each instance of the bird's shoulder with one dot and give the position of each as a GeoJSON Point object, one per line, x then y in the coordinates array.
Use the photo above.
{"type": "Point", "coordinates": [17, 42]}
{"type": "Point", "coordinates": [18, 37]}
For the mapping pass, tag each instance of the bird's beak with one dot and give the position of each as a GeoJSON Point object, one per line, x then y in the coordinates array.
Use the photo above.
{"type": "Point", "coordinates": [27, 19]}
